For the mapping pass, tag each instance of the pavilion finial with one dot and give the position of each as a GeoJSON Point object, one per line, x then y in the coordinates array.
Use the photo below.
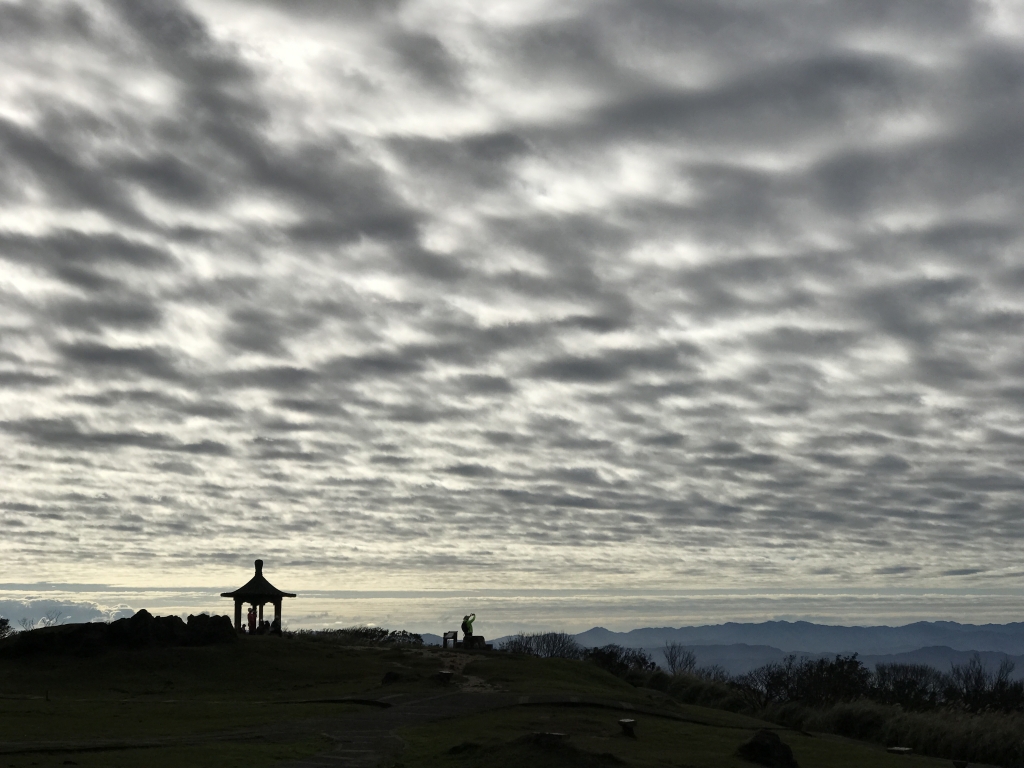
{"type": "Point", "coordinates": [259, 567]}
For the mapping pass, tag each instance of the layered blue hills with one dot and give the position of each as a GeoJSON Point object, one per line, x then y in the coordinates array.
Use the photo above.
{"type": "Point", "coordinates": [739, 648]}
{"type": "Point", "coordinates": [805, 637]}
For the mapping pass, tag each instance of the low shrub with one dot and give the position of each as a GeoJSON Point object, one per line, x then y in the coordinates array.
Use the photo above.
{"type": "Point", "coordinates": [815, 682]}
{"type": "Point", "coordinates": [995, 737]}
{"type": "Point", "coordinates": [520, 643]}
{"type": "Point", "coordinates": [679, 658]}
{"type": "Point", "coordinates": [972, 688]}
{"type": "Point", "coordinates": [360, 636]}
{"type": "Point", "coordinates": [915, 687]}
{"type": "Point", "coordinates": [632, 664]}
{"type": "Point", "coordinates": [947, 730]}
{"type": "Point", "coordinates": [659, 681]}
{"type": "Point", "coordinates": [547, 645]}
{"type": "Point", "coordinates": [690, 689]}
{"type": "Point", "coordinates": [714, 673]}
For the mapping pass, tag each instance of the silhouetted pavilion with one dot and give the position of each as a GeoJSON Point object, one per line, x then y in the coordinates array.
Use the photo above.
{"type": "Point", "coordinates": [258, 592]}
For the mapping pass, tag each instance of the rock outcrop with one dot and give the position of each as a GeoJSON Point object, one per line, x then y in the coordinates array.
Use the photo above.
{"type": "Point", "coordinates": [142, 630]}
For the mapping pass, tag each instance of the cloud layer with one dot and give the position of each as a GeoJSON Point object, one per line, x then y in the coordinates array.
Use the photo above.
{"type": "Point", "coordinates": [393, 293]}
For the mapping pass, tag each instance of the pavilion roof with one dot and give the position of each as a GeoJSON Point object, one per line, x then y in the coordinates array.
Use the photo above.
{"type": "Point", "coordinates": [258, 587]}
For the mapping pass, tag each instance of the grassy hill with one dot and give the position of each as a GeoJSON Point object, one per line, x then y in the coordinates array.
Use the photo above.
{"type": "Point", "coordinates": [277, 701]}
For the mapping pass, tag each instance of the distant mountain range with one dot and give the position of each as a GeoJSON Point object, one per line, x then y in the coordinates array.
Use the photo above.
{"type": "Point", "coordinates": [802, 636]}
{"type": "Point", "coordinates": [739, 648]}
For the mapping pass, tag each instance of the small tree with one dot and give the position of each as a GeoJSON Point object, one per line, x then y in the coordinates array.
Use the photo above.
{"type": "Point", "coordinates": [817, 683]}
{"type": "Point", "coordinates": [680, 660]}
{"type": "Point", "coordinates": [714, 673]}
{"type": "Point", "coordinates": [556, 645]}
{"type": "Point", "coordinates": [547, 645]}
{"type": "Point", "coordinates": [972, 687]}
{"type": "Point", "coordinates": [521, 643]}
{"type": "Point", "coordinates": [969, 684]}
{"type": "Point", "coordinates": [5, 628]}
{"type": "Point", "coordinates": [915, 687]}
{"type": "Point", "coordinates": [621, 661]}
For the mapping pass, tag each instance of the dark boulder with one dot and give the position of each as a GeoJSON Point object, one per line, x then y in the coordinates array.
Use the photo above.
{"type": "Point", "coordinates": [143, 630]}
{"type": "Point", "coordinates": [766, 748]}
{"type": "Point", "coordinates": [209, 630]}
{"type": "Point", "coordinates": [169, 630]}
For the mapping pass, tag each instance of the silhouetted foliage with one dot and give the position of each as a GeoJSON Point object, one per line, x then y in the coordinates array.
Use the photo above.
{"type": "Point", "coordinates": [659, 680]}
{"type": "Point", "coordinates": [971, 713]}
{"type": "Point", "coordinates": [558, 645]}
{"type": "Point", "coordinates": [52, 618]}
{"type": "Point", "coordinates": [621, 661]}
{"type": "Point", "coordinates": [816, 683]}
{"type": "Point", "coordinates": [6, 630]}
{"type": "Point", "coordinates": [714, 673]}
{"type": "Point", "coordinates": [680, 660]}
{"type": "Point", "coordinates": [915, 687]}
{"type": "Point", "coordinates": [547, 645]}
{"type": "Point", "coordinates": [690, 689]}
{"type": "Point", "coordinates": [520, 643]}
{"type": "Point", "coordinates": [972, 688]}
{"type": "Point", "coordinates": [361, 636]}
{"type": "Point", "coordinates": [993, 737]}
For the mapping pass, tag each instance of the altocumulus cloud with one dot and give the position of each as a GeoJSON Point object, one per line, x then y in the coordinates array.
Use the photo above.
{"type": "Point", "coordinates": [679, 293]}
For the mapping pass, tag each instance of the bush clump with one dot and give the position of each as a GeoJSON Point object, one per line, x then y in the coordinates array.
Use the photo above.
{"type": "Point", "coordinates": [546, 645]}
{"type": "Point", "coordinates": [361, 635]}
{"type": "Point", "coordinates": [634, 665]}
{"type": "Point", "coordinates": [970, 713]}
{"type": "Point", "coordinates": [816, 683]}
{"type": "Point", "coordinates": [716, 694]}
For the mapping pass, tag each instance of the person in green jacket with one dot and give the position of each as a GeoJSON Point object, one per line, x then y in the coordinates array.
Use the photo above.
{"type": "Point", "coordinates": [467, 629]}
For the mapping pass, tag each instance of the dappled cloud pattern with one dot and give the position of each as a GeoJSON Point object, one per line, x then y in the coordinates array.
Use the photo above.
{"type": "Point", "coordinates": [645, 292]}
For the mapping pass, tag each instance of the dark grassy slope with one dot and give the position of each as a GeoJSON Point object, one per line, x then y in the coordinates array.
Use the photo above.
{"type": "Point", "coordinates": [241, 701]}
{"type": "Point", "coordinates": [504, 739]}
{"type": "Point", "coordinates": [266, 701]}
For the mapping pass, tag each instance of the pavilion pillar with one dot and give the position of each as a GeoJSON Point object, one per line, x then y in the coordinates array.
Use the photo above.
{"type": "Point", "coordinates": [238, 615]}
{"type": "Point", "coordinates": [261, 614]}
{"type": "Point", "coordinates": [277, 613]}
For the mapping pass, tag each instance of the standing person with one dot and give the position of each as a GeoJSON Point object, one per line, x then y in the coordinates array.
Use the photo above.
{"type": "Point", "coordinates": [251, 616]}
{"type": "Point", "coordinates": [467, 630]}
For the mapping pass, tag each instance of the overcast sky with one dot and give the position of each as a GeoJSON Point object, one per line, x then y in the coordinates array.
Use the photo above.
{"type": "Point", "coordinates": [517, 294]}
